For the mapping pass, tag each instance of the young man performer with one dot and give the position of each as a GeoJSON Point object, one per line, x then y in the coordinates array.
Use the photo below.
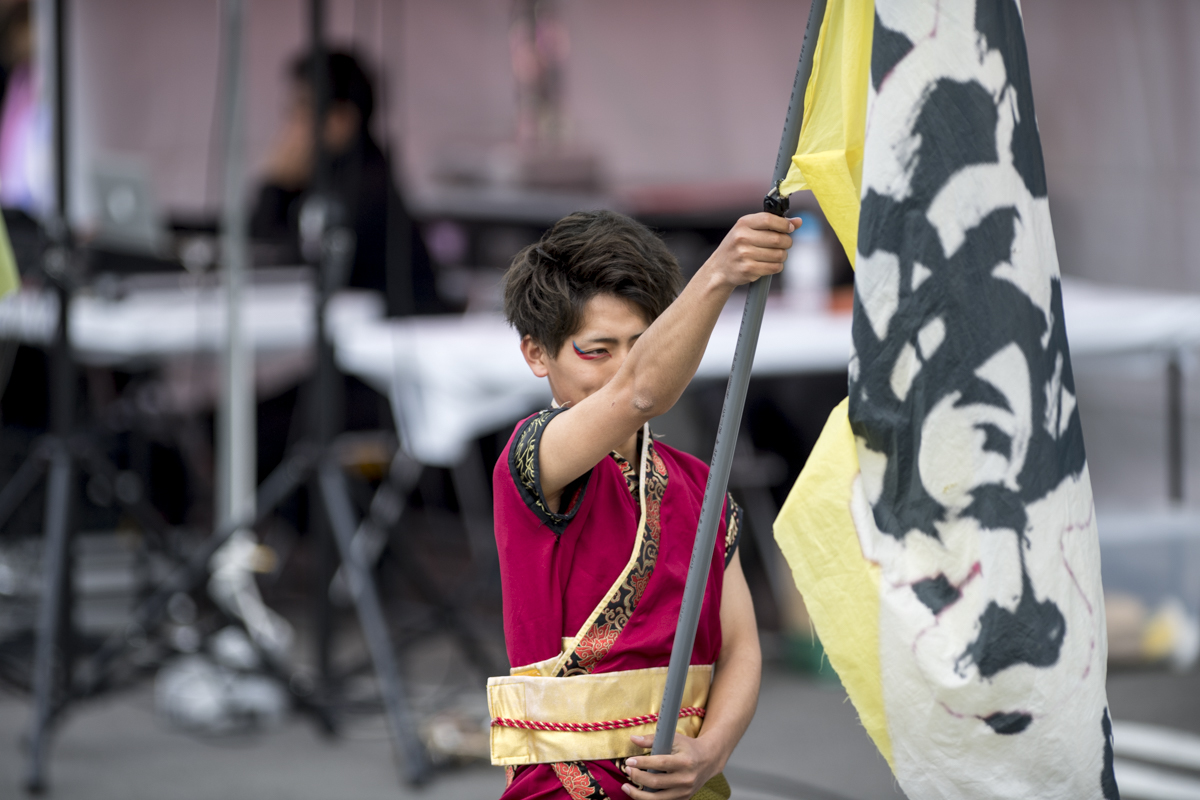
{"type": "Point", "coordinates": [595, 521]}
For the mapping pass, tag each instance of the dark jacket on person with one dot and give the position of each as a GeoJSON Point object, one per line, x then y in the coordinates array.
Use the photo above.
{"type": "Point", "coordinates": [390, 255]}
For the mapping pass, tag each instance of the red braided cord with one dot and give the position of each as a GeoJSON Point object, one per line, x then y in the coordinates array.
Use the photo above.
{"type": "Point", "coordinates": [589, 727]}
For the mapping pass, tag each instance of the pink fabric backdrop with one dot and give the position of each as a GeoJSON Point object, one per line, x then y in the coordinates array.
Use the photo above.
{"type": "Point", "coordinates": [672, 91]}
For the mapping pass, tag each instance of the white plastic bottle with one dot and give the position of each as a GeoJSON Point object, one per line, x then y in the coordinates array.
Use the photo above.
{"type": "Point", "coordinates": [806, 275]}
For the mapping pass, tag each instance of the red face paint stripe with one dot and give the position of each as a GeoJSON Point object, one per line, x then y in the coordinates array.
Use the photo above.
{"type": "Point", "coordinates": [587, 356]}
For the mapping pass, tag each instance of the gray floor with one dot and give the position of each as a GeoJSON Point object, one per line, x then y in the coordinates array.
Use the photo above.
{"type": "Point", "coordinates": [805, 742]}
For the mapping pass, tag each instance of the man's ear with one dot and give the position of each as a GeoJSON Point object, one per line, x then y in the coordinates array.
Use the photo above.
{"type": "Point", "coordinates": [536, 356]}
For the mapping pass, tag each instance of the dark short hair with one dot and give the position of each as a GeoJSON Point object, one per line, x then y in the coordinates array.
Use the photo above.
{"type": "Point", "coordinates": [348, 81]}
{"type": "Point", "coordinates": [586, 254]}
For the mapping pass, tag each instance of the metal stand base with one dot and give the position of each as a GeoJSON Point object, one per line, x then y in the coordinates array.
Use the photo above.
{"type": "Point", "coordinates": [308, 465]}
{"type": "Point", "coordinates": [58, 457]}
{"type": "Point", "coordinates": [46, 677]}
{"type": "Point", "coordinates": [405, 742]}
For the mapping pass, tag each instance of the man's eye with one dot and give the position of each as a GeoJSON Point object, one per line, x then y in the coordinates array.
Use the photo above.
{"type": "Point", "coordinates": [588, 355]}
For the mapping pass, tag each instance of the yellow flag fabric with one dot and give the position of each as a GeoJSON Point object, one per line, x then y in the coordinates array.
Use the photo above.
{"type": "Point", "coordinates": [943, 530]}
{"type": "Point", "coordinates": [9, 278]}
{"type": "Point", "coordinates": [841, 588]}
{"type": "Point", "coordinates": [829, 155]}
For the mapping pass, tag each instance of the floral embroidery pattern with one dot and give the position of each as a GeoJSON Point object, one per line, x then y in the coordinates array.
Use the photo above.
{"type": "Point", "coordinates": [510, 772]}
{"type": "Point", "coordinates": [578, 782]}
{"type": "Point", "coordinates": [595, 644]}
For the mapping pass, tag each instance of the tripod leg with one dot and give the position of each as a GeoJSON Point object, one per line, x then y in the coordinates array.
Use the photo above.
{"type": "Point", "coordinates": [323, 612]}
{"type": "Point", "coordinates": [50, 613]}
{"type": "Point", "coordinates": [387, 508]}
{"type": "Point", "coordinates": [448, 611]}
{"type": "Point", "coordinates": [20, 484]}
{"type": "Point", "coordinates": [384, 515]}
{"type": "Point", "coordinates": [130, 493]}
{"type": "Point", "coordinates": [337, 505]}
{"type": "Point", "coordinates": [475, 505]}
{"type": "Point", "coordinates": [282, 481]}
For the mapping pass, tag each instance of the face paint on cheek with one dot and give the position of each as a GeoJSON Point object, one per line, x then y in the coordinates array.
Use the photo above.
{"type": "Point", "coordinates": [587, 356]}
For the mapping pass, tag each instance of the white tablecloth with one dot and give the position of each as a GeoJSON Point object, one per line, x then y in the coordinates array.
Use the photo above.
{"type": "Point", "coordinates": [454, 379]}
{"type": "Point", "coordinates": [1108, 320]}
{"type": "Point", "coordinates": [149, 325]}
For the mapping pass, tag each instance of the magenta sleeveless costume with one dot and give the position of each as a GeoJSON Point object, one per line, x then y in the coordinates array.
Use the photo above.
{"type": "Point", "coordinates": [557, 568]}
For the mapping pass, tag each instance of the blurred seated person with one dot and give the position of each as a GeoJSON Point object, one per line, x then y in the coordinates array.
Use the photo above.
{"type": "Point", "coordinates": [24, 146]}
{"type": "Point", "coordinates": [390, 256]}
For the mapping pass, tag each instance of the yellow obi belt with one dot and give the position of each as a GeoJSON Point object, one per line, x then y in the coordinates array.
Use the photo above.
{"type": "Point", "coordinates": [538, 719]}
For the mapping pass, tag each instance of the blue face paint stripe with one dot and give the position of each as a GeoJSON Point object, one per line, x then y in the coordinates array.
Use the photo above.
{"type": "Point", "coordinates": [585, 356]}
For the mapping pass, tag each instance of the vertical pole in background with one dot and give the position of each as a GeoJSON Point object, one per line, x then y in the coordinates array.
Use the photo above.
{"type": "Point", "coordinates": [1176, 435]}
{"type": "Point", "coordinates": [329, 240]}
{"type": "Point", "coordinates": [50, 666]}
{"type": "Point", "coordinates": [55, 82]}
{"type": "Point", "coordinates": [731, 414]}
{"type": "Point", "coordinates": [314, 220]}
{"type": "Point", "coordinates": [232, 583]}
{"type": "Point", "coordinates": [57, 258]}
{"type": "Point", "coordinates": [52, 651]}
{"type": "Point", "coordinates": [238, 478]}
{"type": "Point", "coordinates": [319, 79]}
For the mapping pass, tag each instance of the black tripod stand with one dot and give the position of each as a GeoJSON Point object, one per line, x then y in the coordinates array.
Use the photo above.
{"type": "Point", "coordinates": [57, 681]}
{"type": "Point", "coordinates": [58, 457]}
{"type": "Point", "coordinates": [329, 242]}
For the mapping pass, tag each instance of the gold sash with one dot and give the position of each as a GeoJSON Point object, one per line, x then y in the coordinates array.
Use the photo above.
{"type": "Point", "coordinates": [603, 697]}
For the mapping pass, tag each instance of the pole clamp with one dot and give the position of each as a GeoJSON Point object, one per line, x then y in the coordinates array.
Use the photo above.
{"type": "Point", "coordinates": [776, 203]}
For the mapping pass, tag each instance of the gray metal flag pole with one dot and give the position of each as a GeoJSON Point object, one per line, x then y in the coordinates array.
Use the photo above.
{"type": "Point", "coordinates": [731, 414]}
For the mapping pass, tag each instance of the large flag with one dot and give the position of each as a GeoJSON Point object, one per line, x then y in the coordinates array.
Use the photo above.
{"type": "Point", "coordinates": [943, 533]}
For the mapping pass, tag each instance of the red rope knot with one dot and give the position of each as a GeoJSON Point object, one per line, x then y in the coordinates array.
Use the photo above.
{"type": "Point", "coordinates": [590, 727]}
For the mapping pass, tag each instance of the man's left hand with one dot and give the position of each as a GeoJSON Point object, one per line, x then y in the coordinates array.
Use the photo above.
{"type": "Point", "coordinates": [677, 776]}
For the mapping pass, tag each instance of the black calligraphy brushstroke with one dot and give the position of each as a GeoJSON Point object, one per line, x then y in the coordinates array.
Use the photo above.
{"type": "Point", "coordinates": [995, 439]}
{"type": "Point", "coordinates": [1008, 722]}
{"type": "Point", "coordinates": [1108, 779]}
{"type": "Point", "coordinates": [957, 126]}
{"type": "Point", "coordinates": [982, 314]}
{"type": "Point", "coordinates": [998, 508]}
{"type": "Point", "coordinates": [999, 22]}
{"type": "Point", "coordinates": [887, 48]}
{"type": "Point", "coordinates": [936, 593]}
{"type": "Point", "coordinates": [1033, 634]}
{"type": "Point", "coordinates": [1052, 456]}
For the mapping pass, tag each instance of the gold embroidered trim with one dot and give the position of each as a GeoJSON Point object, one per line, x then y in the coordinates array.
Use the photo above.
{"type": "Point", "coordinates": [632, 483]}
{"type": "Point", "coordinates": [525, 457]}
{"type": "Point", "coordinates": [733, 526]}
{"type": "Point", "coordinates": [523, 464]}
{"type": "Point", "coordinates": [595, 641]}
